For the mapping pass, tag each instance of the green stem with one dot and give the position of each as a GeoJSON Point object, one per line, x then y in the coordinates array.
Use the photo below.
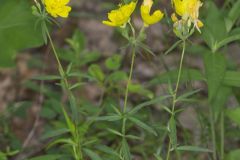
{"type": "Point", "coordinates": [222, 135]}
{"type": "Point", "coordinates": [174, 101]}
{"type": "Point", "coordinates": [178, 77]}
{"type": "Point", "coordinates": [127, 90]}
{"type": "Point", "coordinates": [169, 149]}
{"type": "Point", "coordinates": [60, 68]}
{"type": "Point", "coordinates": [77, 148]}
{"type": "Point", "coordinates": [63, 76]}
{"type": "Point", "coordinates": [212, 119]}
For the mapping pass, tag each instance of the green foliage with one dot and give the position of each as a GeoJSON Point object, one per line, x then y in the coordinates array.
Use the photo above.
{"type": "Point", "coordinates": [234, 115]}
{"type": "Point", "coordinates": [22, 26]}
{"type": "Point", "coordinates": [172, 128]}
{"type": "Point", "coordinates": [233, 155]}
{"type": "Point", "coordinates": [233, 15]}
{"type": "Point", "coordinates": [93, 108]}
{"type": "Point", "coordinates": [50, 157]}
{"type": "Point", "coordinates": [96, 72]}
{"type": "Point", "coordinates": [215, 67]}
{"type": "Point", "coordinates": [92, 154]}
{"type": "Point", "coordinates": [114, 62]}
{"type": "Point", "coordinates": [192, 149]}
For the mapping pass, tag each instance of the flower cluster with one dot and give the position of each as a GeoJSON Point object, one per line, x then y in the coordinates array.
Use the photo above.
{"type": "Point", "coordinates": [121, 16]}
{"type": "Point", "coordinates": [185, 17]}
{"type": "Point", "coordinates": [188, 10]}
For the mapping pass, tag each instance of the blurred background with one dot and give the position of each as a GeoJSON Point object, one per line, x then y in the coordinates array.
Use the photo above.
{"type": "Point", "coordinates": [29, 107]}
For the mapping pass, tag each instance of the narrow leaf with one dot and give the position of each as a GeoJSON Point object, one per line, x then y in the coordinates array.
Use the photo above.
{"type": "Point", "coordinates": [143, 125]}
{"type": "Point", "coordinates": [172, 132]}
{"type": "Point", "coordinates": [193, 149]}
{"type": "Point", "coordinates": [92, 155]}
{"type": "Point", "coordinates": [148, 103]}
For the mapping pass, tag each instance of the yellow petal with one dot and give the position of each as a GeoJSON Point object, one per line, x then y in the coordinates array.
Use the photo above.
{"type": "Point", "coordinates": [108, 23]}
{"type": "Point", "coordinates": [64, 11]}
{"type": "Point", "coordinates": [174, 17]}
{"type": "Point", "coordinates": [147, 17]}
{"type": "Point", "coordinates": [200, 24]}
{"type": "Point", "coordinates": [64, 2]}
{"type": "Point", "coordinates": [120, 16]}
{"type": "Point", "coordinates": [57, 8]}
{"type": "Point", "coordinates": [112, 16]}
{"type": "Point", "coordinates": [179, 6]}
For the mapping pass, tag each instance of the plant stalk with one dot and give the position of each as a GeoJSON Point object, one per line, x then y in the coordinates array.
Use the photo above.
{"type": "Point", "coordinates": [222, 135]}
{"type": "Point", "coordinates": [174, 101]}
{"type": "Point", "coordinates": [212, 119]}
{"type": "Point", "coordinates": [76, 138]}
{"type": "Point", "coordinates": [126, 92]}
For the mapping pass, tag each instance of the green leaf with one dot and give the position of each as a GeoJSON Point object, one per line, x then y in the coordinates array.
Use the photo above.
{"type": "Point", "coordinates": [214, 29]}
{"type": "Point", "coordinates": [234, 115]}
{"type": "Point", "coordinates": [47, 77]}
{"type": "Point", "coordinates": [185, 96]}
{"type": "Point", "coordinates": [3, 156]}
{"type": "Point", "coordinates": [143, 125]}
{"type": "Point", "coordinates": [116, 110]}
{"type": "Point", "coordinates": [158, 157]}
{"type": "Point", "coordinates": [76, 85]}
{"type": "Point", "coordinates": [139, 89]}
{"type": "Point", "coordinates": [82, 129]}
{"type": "Point", "coordinates": [196, 49]}
{"type": "Point", "coordinates": [48, 157]}
{"type": "Point", "coordinates": [227, 40]}
{"type": "Point", "coordinates": [17, 30]}
{"type": "Point", "coordinates": [55, 133]}
{"type": "Point", "coordinates": [96, 71]}
{"type": "Point", "coordinates": [187, 75]}
{"type": "Point", "coordinates": [92, 155]}
{"type": "Point", "coordinates": [77, 42]}
{"type": "Point", "coordinates": [172, 132]}
{"type": "Point", "coordinates": [114, 62]}
{"type": "Point", "coordinates": [114, 132]}
{"type": "Point", "coordinates": [108, 118]}
{"type": "Point", "coordinates": [133, 137]}
{"type": "Point", "coordinates": [173, 47]}
{"type": "Point", "coordinates": [232, 78]}
{"type": "Point", "coordinates": [88, 57]}
{"type": "Point", "coordinates": [193, 149]}
{"type": "Point", "coordinates": [61, 141]}
{"type": "Point", "coordinates": [125, 152]}
{"type": "Point", "coordinates": [148, 103]}
{"type": "Point", "coordinates": [234, 14]}
{"type": "Point", "coordinates": [215, 67]}
{"type": "Point", "coordinates": [220, 100]}
{"type": "Point", "coordinates": [117, 76]}
{"type": "Point", "coordinates": [107, 150]}
{"type": "Point", "coordinates": [48, 113]}
{"type": "Point", "coordinates": [70, 124]}
{"type": "Point", "coordinates": [233, 155]}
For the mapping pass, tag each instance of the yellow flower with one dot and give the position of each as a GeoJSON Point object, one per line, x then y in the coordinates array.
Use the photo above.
{"type": "Point", "coordinates": [121, 16]}
{"type": "Point", "coordinates": [189, 9]}
{"type": "Point", "coordinates": [57, 8]}
{"type": "Point", "coordinates": [148, 18]}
